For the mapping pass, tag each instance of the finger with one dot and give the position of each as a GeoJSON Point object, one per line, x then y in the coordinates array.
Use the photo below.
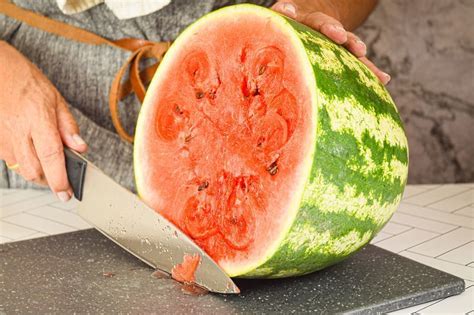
{"type": "Point", "coordinates": [68, 128]}
{"type": "Point", "coordinates": [49, 147]}
{"type": "Point", "coordinates": [325, 24]}
{"type": "Point", "coordinates": [355, 45]}
{"type": "Point", "coordinates": [28, 165]}
{"type": "Point", "coordinates": [6, 152]}
{"type": "Point", "coordinates": [383, 77]}
{"type": "Point", "coordinates": [285, 7]}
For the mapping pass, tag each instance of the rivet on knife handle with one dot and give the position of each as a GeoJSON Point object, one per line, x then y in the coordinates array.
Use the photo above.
{"type": "Point", "coordinates": [76, 171]}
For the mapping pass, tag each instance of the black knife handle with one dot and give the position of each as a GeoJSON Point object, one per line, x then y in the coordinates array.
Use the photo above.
{"type": "Point", "coordinates": [76, 171]}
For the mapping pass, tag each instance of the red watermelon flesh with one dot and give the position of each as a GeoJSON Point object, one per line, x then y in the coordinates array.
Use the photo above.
{"type": "Point", "coordinates": [226, 138]}
{"type": "Point", "coordinates": [185, 272]}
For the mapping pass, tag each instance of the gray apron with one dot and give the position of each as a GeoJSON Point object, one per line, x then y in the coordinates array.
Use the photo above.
{"type": "Point", "coordinates": [83, 73]}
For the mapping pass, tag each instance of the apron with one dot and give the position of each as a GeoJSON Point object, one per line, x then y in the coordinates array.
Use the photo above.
{"type": "Point", "coordinates": [83, 73]}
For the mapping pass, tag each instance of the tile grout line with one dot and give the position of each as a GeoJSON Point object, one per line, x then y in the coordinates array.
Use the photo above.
{"type": "Point", "coordinates": [425, 241]}
{"type": "Point", "coordinates": [418, 228]}
{"type": "Point", "coordinates": [393, 235]}
{"type": "Point", "coordinates": [454, 249]}
{"type": "Point", "coordinates": [418, 216]}
{"type": "Point", "coordinates": [422, 192]}
{"type": "Point", "coordinates": [442, 260]}
{"type": "Point", "coordinates": [450, 212]}
{"type": "Point", "coordinates": [1, 235]}
{"type": "Point", "coordinates": [439, 235]}
{"type": "Point", "coordinates": [29, 209]}
{"type": "Point", "coordinates": [22, 226]}
{"type": "Point", "coordinates": [38, 216]}
{"type": "Point", "coordinates": [28, 198]}
{"type": "Point", "coordinates": [56, 207]}
{"type": "Point", "coordinates": [462, 192]}
{"type": "Point", "coordinates": [48, 205]}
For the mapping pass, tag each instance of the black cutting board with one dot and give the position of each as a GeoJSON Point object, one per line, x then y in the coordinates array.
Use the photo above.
{"type": "Point", "coordinates": [83, 272]}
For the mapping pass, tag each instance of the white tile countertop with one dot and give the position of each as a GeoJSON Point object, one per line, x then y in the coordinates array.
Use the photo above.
{"type": "Point", "coordinates": [434, 225]}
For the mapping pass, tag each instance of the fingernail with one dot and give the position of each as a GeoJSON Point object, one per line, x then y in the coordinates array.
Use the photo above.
{"type": "Point", "coordinates": [362, 45]}
{"type": "Point", "coordinates": [289, 9]}
{"type": "Point", "coordinates": [386, 78]}
{"type": "Point", "coordinates": [78, 140]}
{"type": "Point", "coordinates": [338, 28]}
{"type": "Point", "coordinates": [63, 196]}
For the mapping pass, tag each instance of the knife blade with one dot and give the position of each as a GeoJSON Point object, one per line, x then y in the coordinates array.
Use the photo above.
{"type": "Point", "coordinates": [125, 219]}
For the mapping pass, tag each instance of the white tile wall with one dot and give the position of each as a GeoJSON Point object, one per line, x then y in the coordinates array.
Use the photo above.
{"type": "Point", "coordinates": [434, 225]}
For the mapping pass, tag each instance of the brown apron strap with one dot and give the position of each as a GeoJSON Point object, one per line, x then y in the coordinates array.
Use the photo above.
{"type": "Point", "coordinates": [140, 48]}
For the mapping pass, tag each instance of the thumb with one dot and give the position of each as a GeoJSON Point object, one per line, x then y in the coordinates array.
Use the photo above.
{"type": "Point", "coordinates": [285, 7]}
{"type": "Point", "coordinates": [68, 128]}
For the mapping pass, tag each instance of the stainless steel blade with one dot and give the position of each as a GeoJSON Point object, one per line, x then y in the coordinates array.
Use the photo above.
{"type": "Point", "coordinates": [125, 219]}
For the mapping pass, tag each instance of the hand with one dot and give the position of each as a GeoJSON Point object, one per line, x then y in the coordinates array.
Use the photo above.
{"type": "Point", "coordinates": [35, 123]}
{"type": "Point", "coordinates": [332, 28]}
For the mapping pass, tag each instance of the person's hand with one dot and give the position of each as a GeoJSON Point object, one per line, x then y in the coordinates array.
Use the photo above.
{"type": "Point", "coordinates": [35, 123]}
{"type": "Point", "coordinates": [330, 26]}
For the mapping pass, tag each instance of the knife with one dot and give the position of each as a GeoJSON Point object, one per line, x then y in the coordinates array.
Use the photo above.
{"type": "Point", "coordinates": [129, 222]}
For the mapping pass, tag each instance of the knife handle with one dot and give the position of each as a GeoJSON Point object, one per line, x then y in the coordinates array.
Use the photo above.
{"type": "Point", "coordinates": [76, 171]}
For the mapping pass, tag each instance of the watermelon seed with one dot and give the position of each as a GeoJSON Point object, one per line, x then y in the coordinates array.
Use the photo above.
{"type": "Point", "coordinates": [260, 142]}
{"type": "Point", "coordinates": [203, 186]}
{"type": "Point", "coordinates": [273, 168]}
{"type": "Point", "coordinates": [178, 110]}
{"type": "Point", "coordinates": [199, 95]}
{"type": "Point", "coordinates": [188, 137]}
{"type": "Point", "coordinates": [262, 69]}
{"type": "Point", "coordinates": [255, 91]}
{"type": "Point", "coordinates": [212, 94]}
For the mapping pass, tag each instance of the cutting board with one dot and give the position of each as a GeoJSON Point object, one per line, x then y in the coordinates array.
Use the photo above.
{"type": "Point", "coordinates": [83, 272]}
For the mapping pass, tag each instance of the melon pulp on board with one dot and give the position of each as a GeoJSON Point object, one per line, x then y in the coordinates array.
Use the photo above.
{"type": "Point", "coordinates": [275, 149]}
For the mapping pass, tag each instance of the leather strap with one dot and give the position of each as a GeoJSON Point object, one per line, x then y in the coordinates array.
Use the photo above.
{"type": "Point", "coordinates": [141, 49]}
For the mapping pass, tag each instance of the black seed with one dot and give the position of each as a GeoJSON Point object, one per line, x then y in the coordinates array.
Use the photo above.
{"type": "Point", "coordinates": [262, 69]}
{"type": "Point", "coordinates": [272, 168]}
{"type": "Point", "coordinates": [199, 95]}
{"type": "Point", "coordinates": [188, 138]}
{"type": "Point", "coordinates": [256, 92]}
{"type": "Point", "coordinates": [178, 110]}
{"type": "Point", "coordinates": [203, 186]}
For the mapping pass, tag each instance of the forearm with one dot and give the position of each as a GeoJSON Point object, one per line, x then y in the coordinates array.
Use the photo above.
{"type": "Point", "coordinates": [351, 13]}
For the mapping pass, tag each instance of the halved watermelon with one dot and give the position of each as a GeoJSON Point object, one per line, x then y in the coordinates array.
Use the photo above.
{"type": "Point", "coordinates": [275, 149]}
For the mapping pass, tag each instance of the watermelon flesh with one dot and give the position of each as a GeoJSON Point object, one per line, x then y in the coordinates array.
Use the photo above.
{"type": "Point", "coordinates": [276, 150]}
{"type": "Point", "coordinates": [185, 272]}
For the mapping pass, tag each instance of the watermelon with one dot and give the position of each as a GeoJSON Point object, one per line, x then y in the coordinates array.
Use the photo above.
{"type": "Point", "coordinates": [273, 148]}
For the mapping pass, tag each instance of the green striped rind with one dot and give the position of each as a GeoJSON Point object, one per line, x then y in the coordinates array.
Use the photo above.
{"type": "Point", "coordinates": [359, 167]}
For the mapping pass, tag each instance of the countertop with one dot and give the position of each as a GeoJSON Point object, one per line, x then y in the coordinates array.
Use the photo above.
{"type": "Point", "coordinates": [434, 225]}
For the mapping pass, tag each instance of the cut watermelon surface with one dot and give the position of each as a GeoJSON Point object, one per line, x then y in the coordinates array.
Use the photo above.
{"type": "Point", "coordinates": [275, 149]}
